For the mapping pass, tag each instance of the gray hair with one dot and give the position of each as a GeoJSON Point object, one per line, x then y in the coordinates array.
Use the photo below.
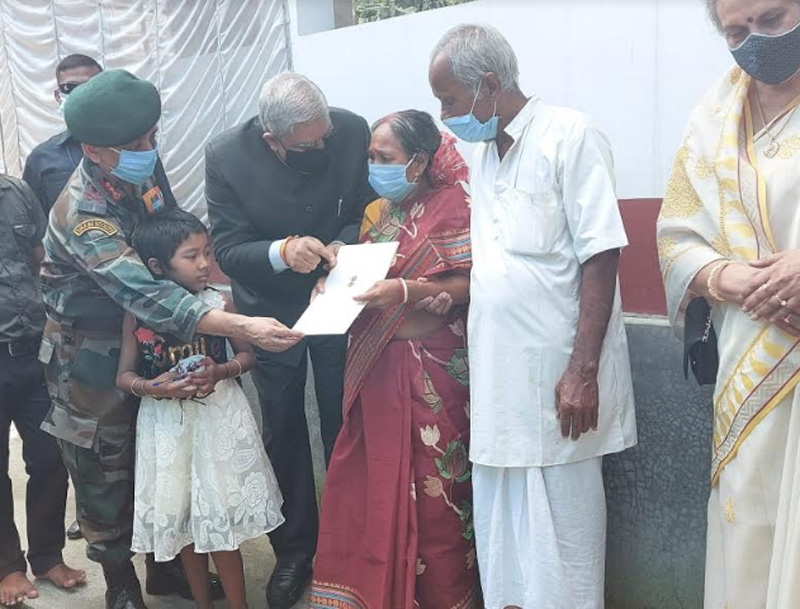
{"type": "Point", "coordinates": [711, 8]}
{"type": "Point", "coordinates": [476, 50]}
{"type": "Point", "coordinates": [289, 99]}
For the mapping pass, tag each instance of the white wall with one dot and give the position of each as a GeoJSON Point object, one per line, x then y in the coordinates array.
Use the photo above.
{"type": "Point", "coordinates": [636, 66]}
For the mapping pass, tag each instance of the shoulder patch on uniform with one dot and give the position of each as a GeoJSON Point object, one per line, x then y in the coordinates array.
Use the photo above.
{"type": "Point", "coordinates": [92, 201]}
{"type": "Point", "coordinates": [96, 224]}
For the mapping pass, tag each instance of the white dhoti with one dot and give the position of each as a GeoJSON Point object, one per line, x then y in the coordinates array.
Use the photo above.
{"type": "Point", "coordinates": [541, 535]}
{"type": "Point", "coordinates": [753, 547]}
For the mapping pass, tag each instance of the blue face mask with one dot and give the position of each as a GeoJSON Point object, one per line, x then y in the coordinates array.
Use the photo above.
{"type": "Point", "coordinates": [135, 166]}
{"type": "Point", "coordinates": [390, 181]}
{"type": "Point", "coordinates": [770, 59]}
{"type": "Point", "coordinates": [469, 128]}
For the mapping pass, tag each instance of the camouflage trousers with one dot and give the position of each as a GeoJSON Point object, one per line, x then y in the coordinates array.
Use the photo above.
{"type": "Point", "coordinates": [94, 425]}
{"type": "Point", "coordinates": [105, 503]}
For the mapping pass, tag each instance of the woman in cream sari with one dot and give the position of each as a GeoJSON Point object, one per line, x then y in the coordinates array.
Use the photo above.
{"type": "Point", "coordinates": [729, 231]}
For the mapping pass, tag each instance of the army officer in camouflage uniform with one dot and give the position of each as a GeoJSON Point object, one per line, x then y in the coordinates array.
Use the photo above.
{"type": "Point", "coordinates": [90, 277]}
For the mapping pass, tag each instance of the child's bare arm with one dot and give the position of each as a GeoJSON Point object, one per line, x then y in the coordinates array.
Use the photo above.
{"type": "Point", "coordinates": [126, 369]}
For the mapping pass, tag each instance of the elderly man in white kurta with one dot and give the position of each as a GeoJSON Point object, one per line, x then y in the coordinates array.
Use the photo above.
{"type": "Point", "coordinates": [550, 375]}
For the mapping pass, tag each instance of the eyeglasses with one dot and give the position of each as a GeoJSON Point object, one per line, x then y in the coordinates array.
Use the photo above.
{"type": "Point", "coordinates": [311, 145]}
{"type": "Point", "coordinates": [68, 87]}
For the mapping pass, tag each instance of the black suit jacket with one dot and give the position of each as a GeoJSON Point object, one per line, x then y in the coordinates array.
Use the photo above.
{"type": "Point", "coordinates": [255, 199]}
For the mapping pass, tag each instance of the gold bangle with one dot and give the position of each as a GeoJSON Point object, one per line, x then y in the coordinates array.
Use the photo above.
{"type": "Point", "coordinates": [133, 387]}
{"type": "Point", "coordinates": [712, 276]}
{"type": "Point", "coordinates": [238, 363]}
{"type": "Point", "coordinates": [282, 250]}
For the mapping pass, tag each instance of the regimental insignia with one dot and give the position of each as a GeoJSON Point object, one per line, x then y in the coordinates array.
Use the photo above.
{"type": "Point", "coordinates": [153, 200]}
{"type": "Point", "coordinates": [114, 192]}
{"type": "Point", "coordinates": [96, 224]}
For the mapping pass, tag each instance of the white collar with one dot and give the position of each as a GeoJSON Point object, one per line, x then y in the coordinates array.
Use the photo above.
{"type": "Point", "coordinates": [523, 118]}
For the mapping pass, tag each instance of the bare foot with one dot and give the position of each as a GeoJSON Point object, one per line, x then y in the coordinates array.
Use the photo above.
{"type": "Point", "coordinates": [15, 588]}
{"type": "Point", "coordinates": [65, 577]}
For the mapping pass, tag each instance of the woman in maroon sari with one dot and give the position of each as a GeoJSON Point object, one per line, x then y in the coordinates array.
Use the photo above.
{"type": "Point", "coordinates": [396, 524]}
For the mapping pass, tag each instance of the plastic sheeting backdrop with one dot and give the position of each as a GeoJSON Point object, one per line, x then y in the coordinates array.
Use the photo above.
{"type": "Point", "coordinates": [208, 58]}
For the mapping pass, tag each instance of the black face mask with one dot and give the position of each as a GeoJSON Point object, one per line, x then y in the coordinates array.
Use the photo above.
{"type": "Point", "coordinates": [770, 59]}
{"type": "Point", "coordinates": [308, 161]}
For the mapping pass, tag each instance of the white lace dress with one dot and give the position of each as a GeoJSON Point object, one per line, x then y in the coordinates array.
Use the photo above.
{"type": "Point", "coordinates": [202, 475]}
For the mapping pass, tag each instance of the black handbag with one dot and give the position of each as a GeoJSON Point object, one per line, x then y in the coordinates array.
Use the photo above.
{"type": "Point", "coordinates": [700, 343]}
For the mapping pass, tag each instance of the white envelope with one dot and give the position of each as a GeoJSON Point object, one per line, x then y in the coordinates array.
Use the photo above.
{"type": "Point", "coordinates": [358, 268]}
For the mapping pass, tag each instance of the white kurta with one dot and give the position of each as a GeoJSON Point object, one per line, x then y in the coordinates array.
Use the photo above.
{"type": "Point", "coordinates": [537, 216]}
{"type": "Point", "coordinates": [547, 208]}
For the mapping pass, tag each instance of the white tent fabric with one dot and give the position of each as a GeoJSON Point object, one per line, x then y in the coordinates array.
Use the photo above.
{"type": "Point", "coordinates": [208, 58]}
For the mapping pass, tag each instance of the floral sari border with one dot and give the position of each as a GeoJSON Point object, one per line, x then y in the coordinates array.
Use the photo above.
{"type": "Point", "coordinates": [327, 595]}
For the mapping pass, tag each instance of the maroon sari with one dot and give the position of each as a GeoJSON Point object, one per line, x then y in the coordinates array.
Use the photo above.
{"type": "Point", "coordinates": [396, 524]}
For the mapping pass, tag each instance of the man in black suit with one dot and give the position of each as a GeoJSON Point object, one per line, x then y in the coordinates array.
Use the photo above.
{"type": "Point", "coordinates": [285, 190]}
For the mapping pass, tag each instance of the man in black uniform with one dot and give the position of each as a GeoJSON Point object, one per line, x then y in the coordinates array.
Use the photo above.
{"type": "Point", "coordinates": [51, 163]}
{"type": "Point", "coordinates": [25, 402]}
{"type": "Point", "coordinates": [285, 190]}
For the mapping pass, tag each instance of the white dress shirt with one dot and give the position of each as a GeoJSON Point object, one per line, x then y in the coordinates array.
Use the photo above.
{"type": "Point", "coordinates": [537, 216]}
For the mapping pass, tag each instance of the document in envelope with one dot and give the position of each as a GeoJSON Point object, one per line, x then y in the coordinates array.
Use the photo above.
{"type": "Point", "coordinates": [358, 268]}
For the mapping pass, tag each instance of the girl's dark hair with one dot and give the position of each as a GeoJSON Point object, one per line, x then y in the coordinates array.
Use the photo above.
{"type": "Point", "coordinates": [416, 132]}
{"type": "Point", "coordinates": [159, 235]}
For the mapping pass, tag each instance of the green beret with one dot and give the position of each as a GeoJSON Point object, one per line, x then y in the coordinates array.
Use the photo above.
{"type": "Point", "coordinates": [112, 109]}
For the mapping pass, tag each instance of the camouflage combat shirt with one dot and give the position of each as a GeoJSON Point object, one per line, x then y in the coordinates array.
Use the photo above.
{"type": "Point", "coordinates": [90, 271]}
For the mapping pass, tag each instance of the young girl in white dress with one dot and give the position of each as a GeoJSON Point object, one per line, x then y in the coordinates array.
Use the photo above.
{"type": "Point", "coordinates": [203, 481]}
